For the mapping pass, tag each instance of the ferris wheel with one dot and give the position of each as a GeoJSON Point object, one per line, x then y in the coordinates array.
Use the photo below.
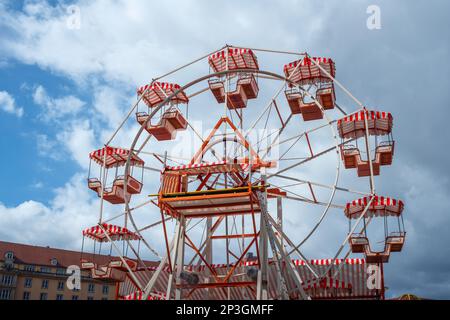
{"type": "Point", "coordinates": [230, 177]}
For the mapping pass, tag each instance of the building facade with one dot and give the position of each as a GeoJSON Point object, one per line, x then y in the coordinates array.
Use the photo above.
{"type": "Point", "coordinates": [40, 273]}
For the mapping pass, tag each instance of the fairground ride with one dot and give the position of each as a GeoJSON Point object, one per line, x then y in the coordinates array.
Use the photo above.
{"type": "Point", "coordinates": [233, 208]}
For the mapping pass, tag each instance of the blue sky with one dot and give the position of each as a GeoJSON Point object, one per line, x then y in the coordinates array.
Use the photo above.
{"type": "Point", "coordinates": [63, 91]}
{"type": "Point", "coordinates": [30, 168]}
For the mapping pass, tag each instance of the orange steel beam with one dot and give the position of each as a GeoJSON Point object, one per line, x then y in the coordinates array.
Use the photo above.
{"type": "Point", "coordinates": [234, 256]}
{"type": "Point", "coordinates": [254, 231]}
{"type": "Point", "coordinates": [203, 181]}
{"type": "Point", "coordinates": [158, 158]}
{"type": "Point", "coordinates": [215, 205]}
{"type": "Point", "coordinates": [213, 229]}
{"type": "Point", "coordinates": [312, 192]}
{"type": "Point", "coordinates": [309, 144]}
{"type": "Point", "coordinates": [240, 136]}
{"type": "Point", "coordinates": [206, 197]}
{"type": "Point", "coordinates": [190, 246]}
{"type": "Point", "coordinates": [226, 213]}
{"type": "Point", "coordinates": [213, 131]}
{"type": "Point", "coordinates": [278, 112]}
{"type": "Point", "coordinates": [239, 177]}
{"type": "Point", "coordinates": [230, 273]}
{"type": "Point", "coordinates": [201, 256]}
{"type": "Point", "coordinates": [169, 210]}
{"type": "Point", "coordinates": [216, 224]}
{"type": "Point", "coordinates": [164, 203]}
{"type": "Point", "coordinates": [166, 240]}
{"type": "Point", "coordinates": [205, 142]}
{"type": "Point", "coordinates": [217, 192]}
{"type": "Point", "coordinates": [275, 192]}
{"type": "Point", "coordinates": [213, 184]}
{"type": "Point", "coordinates": [239, 116]}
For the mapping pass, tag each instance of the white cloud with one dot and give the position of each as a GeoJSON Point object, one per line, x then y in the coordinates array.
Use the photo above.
{"type": "Point", "coordinates": [8, 104]}
{"type": "Point", "coordinates": [47, 147]}
{"type": "Point", "coordinates": [75, 138]}
{"type": "Point", "coordinates": [56, 108]}
{"type": "Point", "coordinates": [58, 224]}
{"type": "Point", "coordinates": [110, 104]}
{"type": "Point", "coordinates": [149, 38]}
{"type": "Point", "coordinates": [37, 185]}
{"type": "Point", "coordinates": [79, 140]}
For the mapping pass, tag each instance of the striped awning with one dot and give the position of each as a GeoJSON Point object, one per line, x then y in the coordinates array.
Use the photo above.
{"type": "Point", "coordinates": [209, 167]}
{"type": "Point", "coordinates": [237, 58]}
{"type": "Point", "coordinates": [380, 206]}
{"type": "Point", "coordinates": [115, 157]}
{"type": "Point", "coordinates": [305, 71]}
{"type": "Point", "coordinates": [346, 279]}
{"type": "Point", "coordinates": [116, 233]}
{"type": "Point", "coordinates": [353, 126]}
{"type": "Point", "coordinates": [157, 92]}
{"type": "Point", "coordinates": [139, 295]}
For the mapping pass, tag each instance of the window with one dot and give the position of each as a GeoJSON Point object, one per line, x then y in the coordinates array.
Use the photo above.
{"type": "Point", "coordinates": [90, 298]}
{"type": "Point", "coordinates": [26, 295]}
{"type": "Point", "coordinates": [59, 297]}
{"type": "Point", "coordinates": [46, 270]}
{"type": "Point", "coordinates": [104, 298]}
{"type": "Point", "coordinates": [5, 294]}
{"type": "Point", "coordinates": [91, 287]}
{"type": "Point", "coordinates": [105, 290]}
{"type": "Point", "coordinates": [9, 255]}
{"type": "Point", "coordinates": [61, 285]}
{"type": "Point", "coordinates": [7, 280]}
{"type": "Point", "coordinates": [74, 297]}
{"type": "Point", "coordinates": [60, 271]}
{"type": "Point", "coordinates": [44, 296]}
{"type": "Point", "coordinates": [29, 268]}
{"type": "Point", "coordinates": [44, 284]}
{"type": "Point", "coordinates": [28, 282]}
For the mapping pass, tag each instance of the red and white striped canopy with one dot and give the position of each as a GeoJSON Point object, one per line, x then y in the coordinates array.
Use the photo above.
{"type": "Point", "coordinates": [254, 262]}
{"type": "Point", "coordinates": [115, 157]}
{"type": "Point", "coordinates": [353, 126]}
{"type": "Point", "coordinates": [238, 58]}
{"type": "Point", "coordinates": [138, 295]}
{"type": "Point", "coordinates": [326, 283]}
{"type": "Point", "coordinates": [380, 206]}
{"type": "Point", "coordinates": [209, 167]}
{"type": "Point", "coordinates": [114, 232]}
{"type": "Point", "coordinates": [157, 92]}
{"type": "Point", "coordinates": [305, 71]}
{"type": "Point", "coordinates": [347, 279]}
{"type": "Point", "coordinates": [328, 262]}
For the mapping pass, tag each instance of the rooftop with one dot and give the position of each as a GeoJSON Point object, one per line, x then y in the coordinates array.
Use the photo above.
{"type": "Point", "coordinates": [43, 256]}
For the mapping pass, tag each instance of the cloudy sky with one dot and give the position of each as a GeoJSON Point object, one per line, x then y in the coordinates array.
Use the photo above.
{"type": "Point", "coordinates": [65, 87]}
